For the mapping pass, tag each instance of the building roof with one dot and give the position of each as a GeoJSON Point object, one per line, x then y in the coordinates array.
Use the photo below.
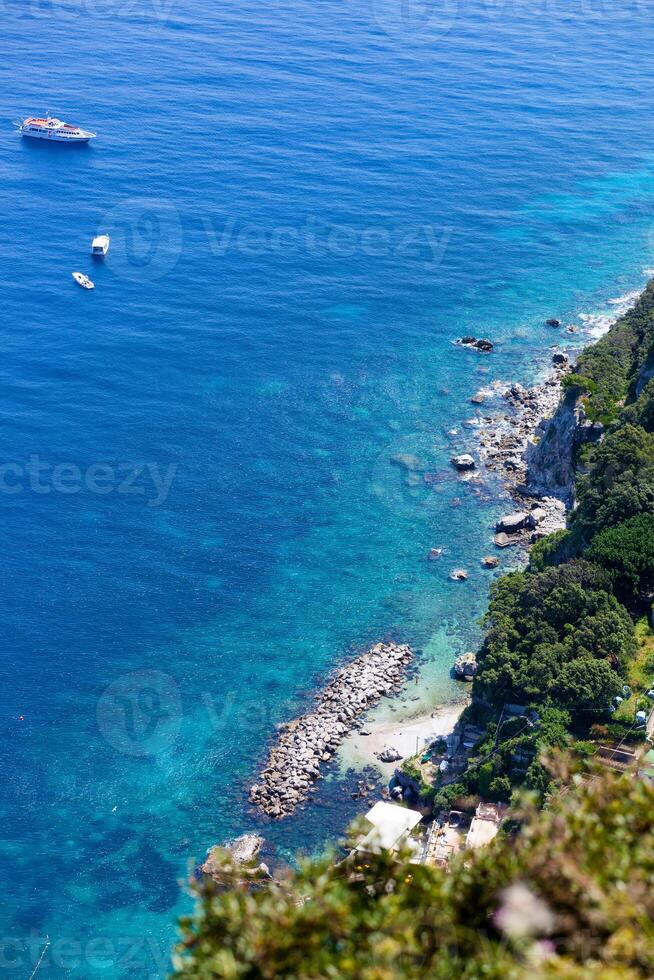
{"type": "Point", "coordinates": [390, 823]}
{"type": "Point", "coordinates": [481, 832]}
{"type": "Point", "coordinates": [485, 824]}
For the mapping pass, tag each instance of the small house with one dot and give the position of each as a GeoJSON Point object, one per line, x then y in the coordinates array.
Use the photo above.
{"type": "Point", "coordinates": [390, 827]}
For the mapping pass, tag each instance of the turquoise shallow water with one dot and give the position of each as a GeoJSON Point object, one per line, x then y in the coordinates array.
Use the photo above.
{"type": "Point", "coordinates": [200, 512]}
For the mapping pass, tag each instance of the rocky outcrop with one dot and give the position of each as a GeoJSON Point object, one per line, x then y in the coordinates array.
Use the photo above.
{"type": "Point", "coordinates": [310, 740]}
{"type": "Point", "coordinates": [513, 522]}
{"type": "Point", "coordinates": [504, 438]}
{"type": "Point", "coordinates": [243, 852]}
{"type": "Point", "coordinates": [551, 457]}
{"type": "Point", "coordinates": [645, 375]}
{"type": "Point", "coordinates": [463, 462]}
{"type": "Point", "coordinates": [466, 666]}
{"type": "Point", "coordinates": [484, 345]}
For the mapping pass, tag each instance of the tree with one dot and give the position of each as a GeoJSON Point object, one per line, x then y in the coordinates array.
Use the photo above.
{"type": "Point", "coordinates": [588, 685]}
{"type": "Point", "coordinates": [500, 789]}
{"type": "Point", "coordinates": [627, 552]}
{"type": "Point", "coordinates": [620, 484]}
{"type": "Point", "coordinates": [538, 622]}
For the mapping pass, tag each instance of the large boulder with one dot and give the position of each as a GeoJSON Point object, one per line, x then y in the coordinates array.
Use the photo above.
{"type": "Point", "coordinates": [466, 666]}
{"type": "Point", "coordinates": [482, 344]}
{"type": "Point", "coordinates": [463, 462]}
{"type": "Point", "coordinates": [536, 517]}
{"type": "Point", "coordinates": [244, 852]}
{"type": "Point", "coordinates": [513, 523]}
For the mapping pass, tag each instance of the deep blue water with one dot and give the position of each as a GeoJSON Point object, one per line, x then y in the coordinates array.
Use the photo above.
{"type": "Point", "coordinates": [200, 516]}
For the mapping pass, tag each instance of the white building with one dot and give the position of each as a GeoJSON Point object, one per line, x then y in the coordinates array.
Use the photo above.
{"type": "Point", "coordinates": [391, 826]}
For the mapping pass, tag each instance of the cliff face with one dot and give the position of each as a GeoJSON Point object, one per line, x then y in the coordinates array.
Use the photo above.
{"type": "Point", "coordinates": [551, 461]}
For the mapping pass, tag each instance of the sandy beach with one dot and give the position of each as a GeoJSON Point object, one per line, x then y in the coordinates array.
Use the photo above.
{"type": "Point", "coordinates": [408, 733]}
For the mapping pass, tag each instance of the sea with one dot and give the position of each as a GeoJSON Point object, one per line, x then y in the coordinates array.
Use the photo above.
{"type": "Point", "coordinates": [205, 498]}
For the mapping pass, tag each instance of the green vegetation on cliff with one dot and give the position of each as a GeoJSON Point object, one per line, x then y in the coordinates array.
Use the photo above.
{"type": "Point", "coordinates": [560, 635]}
{"type": "Point", "coordinates": [613, 364]}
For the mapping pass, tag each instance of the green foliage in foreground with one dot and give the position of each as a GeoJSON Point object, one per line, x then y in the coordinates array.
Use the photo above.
{"type": "Point", "coordinates": [569, 896]}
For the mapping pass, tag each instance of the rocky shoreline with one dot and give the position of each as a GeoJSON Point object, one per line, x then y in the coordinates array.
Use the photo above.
{"type": "Point", "coordinates": [507, 444]}
{"type": "Point", "coordinates": [307, 742]}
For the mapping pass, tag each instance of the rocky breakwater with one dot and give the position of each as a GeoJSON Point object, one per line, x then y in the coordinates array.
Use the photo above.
{"type": "Point", "coordinates": [310, 740]}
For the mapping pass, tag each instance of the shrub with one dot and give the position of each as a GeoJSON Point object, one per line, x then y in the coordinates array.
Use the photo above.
{"type": "Point", "coordinates": [577, 384]}
{"type": "Point", "coordinates": [620, 484]}
{"type": "Point", "coordinates": [627, 552]}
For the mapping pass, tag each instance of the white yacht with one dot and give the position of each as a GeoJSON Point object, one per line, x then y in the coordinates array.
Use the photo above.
{"type": "Point", "coordinates": [54, 130]}
{"type": "Point", "coordinates": [83, 280]}
{"type": "Point", "coordinates": [100, 245]}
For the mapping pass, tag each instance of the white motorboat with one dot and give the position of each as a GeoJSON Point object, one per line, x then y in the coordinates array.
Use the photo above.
{"type": "Point", "coordinates": [83, 280]}
{"type": "Point", "coordinates": [50, 128]}
{"type": "Point", "coordinates": [100, 245]}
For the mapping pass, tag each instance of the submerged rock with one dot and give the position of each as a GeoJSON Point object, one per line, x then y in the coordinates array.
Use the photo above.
{"type": "Point", "coordinates": [408, 462]}
{"type": "Point", "coordinates": [553, 322]}
{"type": "Point", "coordinates": [490, 561]}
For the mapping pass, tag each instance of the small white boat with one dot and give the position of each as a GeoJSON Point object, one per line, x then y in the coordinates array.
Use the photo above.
{"type": "Point", "coordinates": [100, 245]}
{"type": "Point", "coordinates": [55, 130]}
{"type": "Point", "coordinates": [83, 280]}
